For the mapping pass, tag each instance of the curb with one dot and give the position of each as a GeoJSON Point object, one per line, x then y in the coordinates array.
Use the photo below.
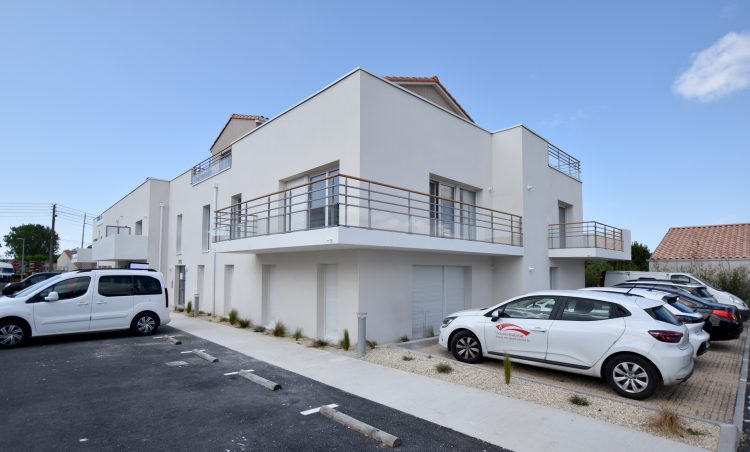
{"type": "Point", "coordinates": [368, 430]}
{"type": "Point", "coordinates": [260, 380]}
{"type": "Point", "coordinates": [729, 436]}
{"type": "Point", "coordinates": [206, 356]}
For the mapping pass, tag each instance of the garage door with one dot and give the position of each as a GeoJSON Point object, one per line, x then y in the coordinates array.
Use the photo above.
{"type": "Point", "coordinates": [436, 292]}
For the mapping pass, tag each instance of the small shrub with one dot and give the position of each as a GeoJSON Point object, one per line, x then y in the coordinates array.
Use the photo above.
{"type": "Point", "coordinates": [407, 358]}
{"type": "Point", "coordinates": [320, 343]}
{"type": "Point", "coordinates": [279, 330]}
{"type": "Point", "coordinates": [575, 399]}
{"type": "Point", "coordinates": [179, 309]}
{"type": "Point", "coordinates": [233, 317]}
{"type": "Point", "coordinates": [201, 312]}
{"type": "Point", "coordinates": [297, 334]}
{"type": "Point", "coordinates": [443, 368]}
{"type": "Point", "coordinates": [372, 344]}
{"type": "Point", "coordinates": [507, 369]}
{"type": "Point", "coordinates": [403, 338]}
{"type": "Point", "coordinates": [259, 329]}
{"type": "Point", "coordinates": [345, 344]}
{"type": "Point", "coordinates": [223, 319]}
{"type": "Point", "coordinates": [696, 432]}
{"type": "Point", "coordinates": [667, 421]}
{"type": "Point", "coordinates": [189, 307]}
{"type": "Point", "coordinates": [244, 323]}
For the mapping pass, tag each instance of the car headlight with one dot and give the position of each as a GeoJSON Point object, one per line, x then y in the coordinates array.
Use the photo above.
{"type": "Point", "coordinates": [447, 321]}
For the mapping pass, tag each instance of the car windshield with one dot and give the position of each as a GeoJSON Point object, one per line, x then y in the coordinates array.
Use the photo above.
{"type": "Point", "coordinates": [36, 286]}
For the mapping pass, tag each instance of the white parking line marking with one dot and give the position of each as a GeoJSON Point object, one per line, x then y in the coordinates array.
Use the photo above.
{"type": "Point", "coordinates": [190, 351]}
{"type": "Point", "coordinates": [316, 410]}
{"type": "Point", "coordinates": [237, 373]}
{"type": "Point", "coordinates": [176, 363]}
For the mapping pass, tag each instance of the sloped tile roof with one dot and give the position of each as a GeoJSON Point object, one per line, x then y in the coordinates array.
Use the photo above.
{"type": "Point", "coordinates": [433, 79]}
{"type": "Point", "coordinates": [722, 241]}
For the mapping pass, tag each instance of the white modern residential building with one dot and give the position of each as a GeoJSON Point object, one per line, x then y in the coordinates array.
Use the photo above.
{"type": "Point", "coordinates": [377, 195]}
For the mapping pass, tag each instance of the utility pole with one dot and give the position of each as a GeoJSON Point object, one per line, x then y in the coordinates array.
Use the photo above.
{"type": "Point", "coordinates": [23, 255]}
{"type": "Point", "coordinates": [83, 229]}
{"type": "Point", "coordinates": [52, 235]}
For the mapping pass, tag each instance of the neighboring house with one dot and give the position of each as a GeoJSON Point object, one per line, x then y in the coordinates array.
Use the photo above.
{"type": "Point", "coordinates": [376, 195]}
{"type": "Point", "coordinates": [690, 247]}
{"type": "Point", "coordinates": [65, 261]}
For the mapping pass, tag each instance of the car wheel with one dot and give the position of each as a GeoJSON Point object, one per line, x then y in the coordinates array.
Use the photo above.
{"type": "Point", "coordinates": [466, 347]}
{"type": "Point", "coordinates": [12, 333]}
{"type": "Point", "coordinates": [632, 376]}
{"type": "Point", "coordinates": [144, 324]}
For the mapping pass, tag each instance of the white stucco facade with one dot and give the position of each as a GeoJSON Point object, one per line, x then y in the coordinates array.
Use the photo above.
{"type": "Point", "coordinates": [380, 253]}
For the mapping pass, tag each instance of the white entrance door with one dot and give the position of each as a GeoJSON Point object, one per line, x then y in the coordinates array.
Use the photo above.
{"type": "Point", "coordinates": [228, 282]}
{"type": "Point", "coordinates": [269, 315]}
{"type": "Point", "coordinates": [436, 292]}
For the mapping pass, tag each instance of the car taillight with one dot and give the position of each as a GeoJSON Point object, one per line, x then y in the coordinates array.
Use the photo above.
{"type": "Point", "coordinates": [725, 314]}
{"type": "Point", "coordinates": [666, 336]}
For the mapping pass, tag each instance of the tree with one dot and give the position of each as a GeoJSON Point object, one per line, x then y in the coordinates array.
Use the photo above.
{"type": "Point", "coordinates": [639, 256]}
{"type": "Point", "coordinates": [37, 240]}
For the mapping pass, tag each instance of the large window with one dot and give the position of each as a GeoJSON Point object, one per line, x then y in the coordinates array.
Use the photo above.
{"type": "Point", "coordinates": [236, 221]}
{"type": "Point", "coordinates": [452, 210]}
{"type": "Point", "coordinates": [582, 310]}
{"type": "Point", "coordinates": [146, 285]}
{"type": "Point", "coordinates": [323, 200]}
{"type": "Point", "coordinates": [116, 286]}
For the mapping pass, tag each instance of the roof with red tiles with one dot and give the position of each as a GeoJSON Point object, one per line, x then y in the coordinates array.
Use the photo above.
{"type": "Point", "coordinates": [433, 79]}
{"type": "Point", "coordinates": [721, 241]}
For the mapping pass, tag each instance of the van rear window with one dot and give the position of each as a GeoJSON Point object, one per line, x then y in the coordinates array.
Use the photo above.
{"type": "Point", "coordinates": [116, 286]}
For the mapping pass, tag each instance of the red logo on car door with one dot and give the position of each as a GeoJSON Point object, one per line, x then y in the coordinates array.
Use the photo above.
{"type": "Point", "coordinates": [507, 327]}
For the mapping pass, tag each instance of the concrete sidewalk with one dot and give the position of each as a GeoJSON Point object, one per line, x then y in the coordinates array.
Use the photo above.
{"type": "Point", "coordinates": [509, 423]}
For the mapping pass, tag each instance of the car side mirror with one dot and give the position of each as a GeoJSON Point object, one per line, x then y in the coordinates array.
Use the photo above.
{"type": "Point", "coordinates": [53, 296]}
{"type": "Point", "coordinates": [495, 315]}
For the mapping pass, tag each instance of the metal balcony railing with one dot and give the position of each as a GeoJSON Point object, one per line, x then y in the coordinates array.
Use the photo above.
{"type": "Point", "coordinates": [587, 234]}
{"type": "Point", "coordinates": [211, 166]}
{"type": "Point", "coordinates": [563, 162]}
{"type": "Point", "coordinates": [350, 201]}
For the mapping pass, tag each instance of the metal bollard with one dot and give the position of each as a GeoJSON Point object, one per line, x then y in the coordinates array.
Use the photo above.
{"type": "Point", "coordinates": [362, 328]}
{"type": "Point", "coordinates": [196, 297]}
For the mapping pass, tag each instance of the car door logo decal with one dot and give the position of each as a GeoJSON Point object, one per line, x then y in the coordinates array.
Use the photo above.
{"type": "Point", "coordinates": [508, 327]}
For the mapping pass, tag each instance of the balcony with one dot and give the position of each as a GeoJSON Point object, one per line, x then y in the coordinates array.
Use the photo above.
{"type": "Point", "coordinates": [350, 212]}
{"type": "Point", "coordinates": [210, 167]}
{"type": "Point", "coordinates": [588, 239]}
{"type": "Point", "coordinates": [563, 162]}
{"type": "Point", "coordinates": [120, 247]}
{"type": "Point", "coordinates": [83, 256]}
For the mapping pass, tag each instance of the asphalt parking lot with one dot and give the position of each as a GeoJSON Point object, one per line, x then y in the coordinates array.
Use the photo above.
{"type": "Point", "coordinates": [113, 391]}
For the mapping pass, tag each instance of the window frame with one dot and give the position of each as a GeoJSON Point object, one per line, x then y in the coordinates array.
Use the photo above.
{"type": "Point", "coordinates": [99, 286]}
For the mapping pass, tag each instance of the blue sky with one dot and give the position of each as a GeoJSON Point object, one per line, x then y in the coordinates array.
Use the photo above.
{"type": "Point", "coordinates": [96, 96]}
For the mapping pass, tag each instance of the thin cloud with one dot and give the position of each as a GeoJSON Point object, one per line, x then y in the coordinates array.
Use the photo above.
{"type": "Point", "coordinates": [718, 70]}
{"type": "Point", "coordinates": [560, 120]}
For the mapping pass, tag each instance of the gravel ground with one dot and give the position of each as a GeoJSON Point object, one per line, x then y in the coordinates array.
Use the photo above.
{"type": "Point", "coordinates": [705, 434]}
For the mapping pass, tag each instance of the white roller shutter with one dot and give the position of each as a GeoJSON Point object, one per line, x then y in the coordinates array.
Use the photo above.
{"type": "Point", "coordinates": [436, 292]}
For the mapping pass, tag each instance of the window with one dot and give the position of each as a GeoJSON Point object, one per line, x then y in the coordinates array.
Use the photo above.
{"type": "Point", "coordinates": [452, 210]}
{"type": "Point", "coordinates": [582, 310]}
{"type": "Point", "coordinates": [235, 218]}
{"type": "Point", "coordinates": [117, 230]}
{"type": "Point", "coordinates": [139, 227]}
{"type": "Point", "coordinates": [661, 314]}
{"type": "Point", "coordinates": [206, 228]}
{"type": "Point", "coordinates": [323, 200]}
{"type": "Point", "coordinates": [67, 289]}
{"type": "Point", "coordinates": [529, 308]}
{"type": "Point", "coordinates": [178, 244]}
{"type": "Point", "coordinates": [116, 286]}
{"type": "Point", "coordinates": [146, 285]}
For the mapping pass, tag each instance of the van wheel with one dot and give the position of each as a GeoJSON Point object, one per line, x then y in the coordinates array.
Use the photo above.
{"type": "Point", "coordinates": [144, 324]}
{"type": "Point", "coordinates": [12, 333]}
{"type": "Point", "coordinates": [632, 376]}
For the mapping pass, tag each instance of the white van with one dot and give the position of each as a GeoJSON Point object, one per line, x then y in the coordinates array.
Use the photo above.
{"type": "Point", "coordinates": [614, 277]}
{"type": "Point", "coordinates": [6, 271]}
{"type": "Point", "coordinates": [86, 301]}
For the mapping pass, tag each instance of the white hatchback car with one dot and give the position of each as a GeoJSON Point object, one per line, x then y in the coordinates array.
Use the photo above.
{"type": "Point", "coordinates": [635, 344]}
{"type": "Point", "coordinates": [85, 301]}
{"type": "Point", "coordinates": [694, 322]}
